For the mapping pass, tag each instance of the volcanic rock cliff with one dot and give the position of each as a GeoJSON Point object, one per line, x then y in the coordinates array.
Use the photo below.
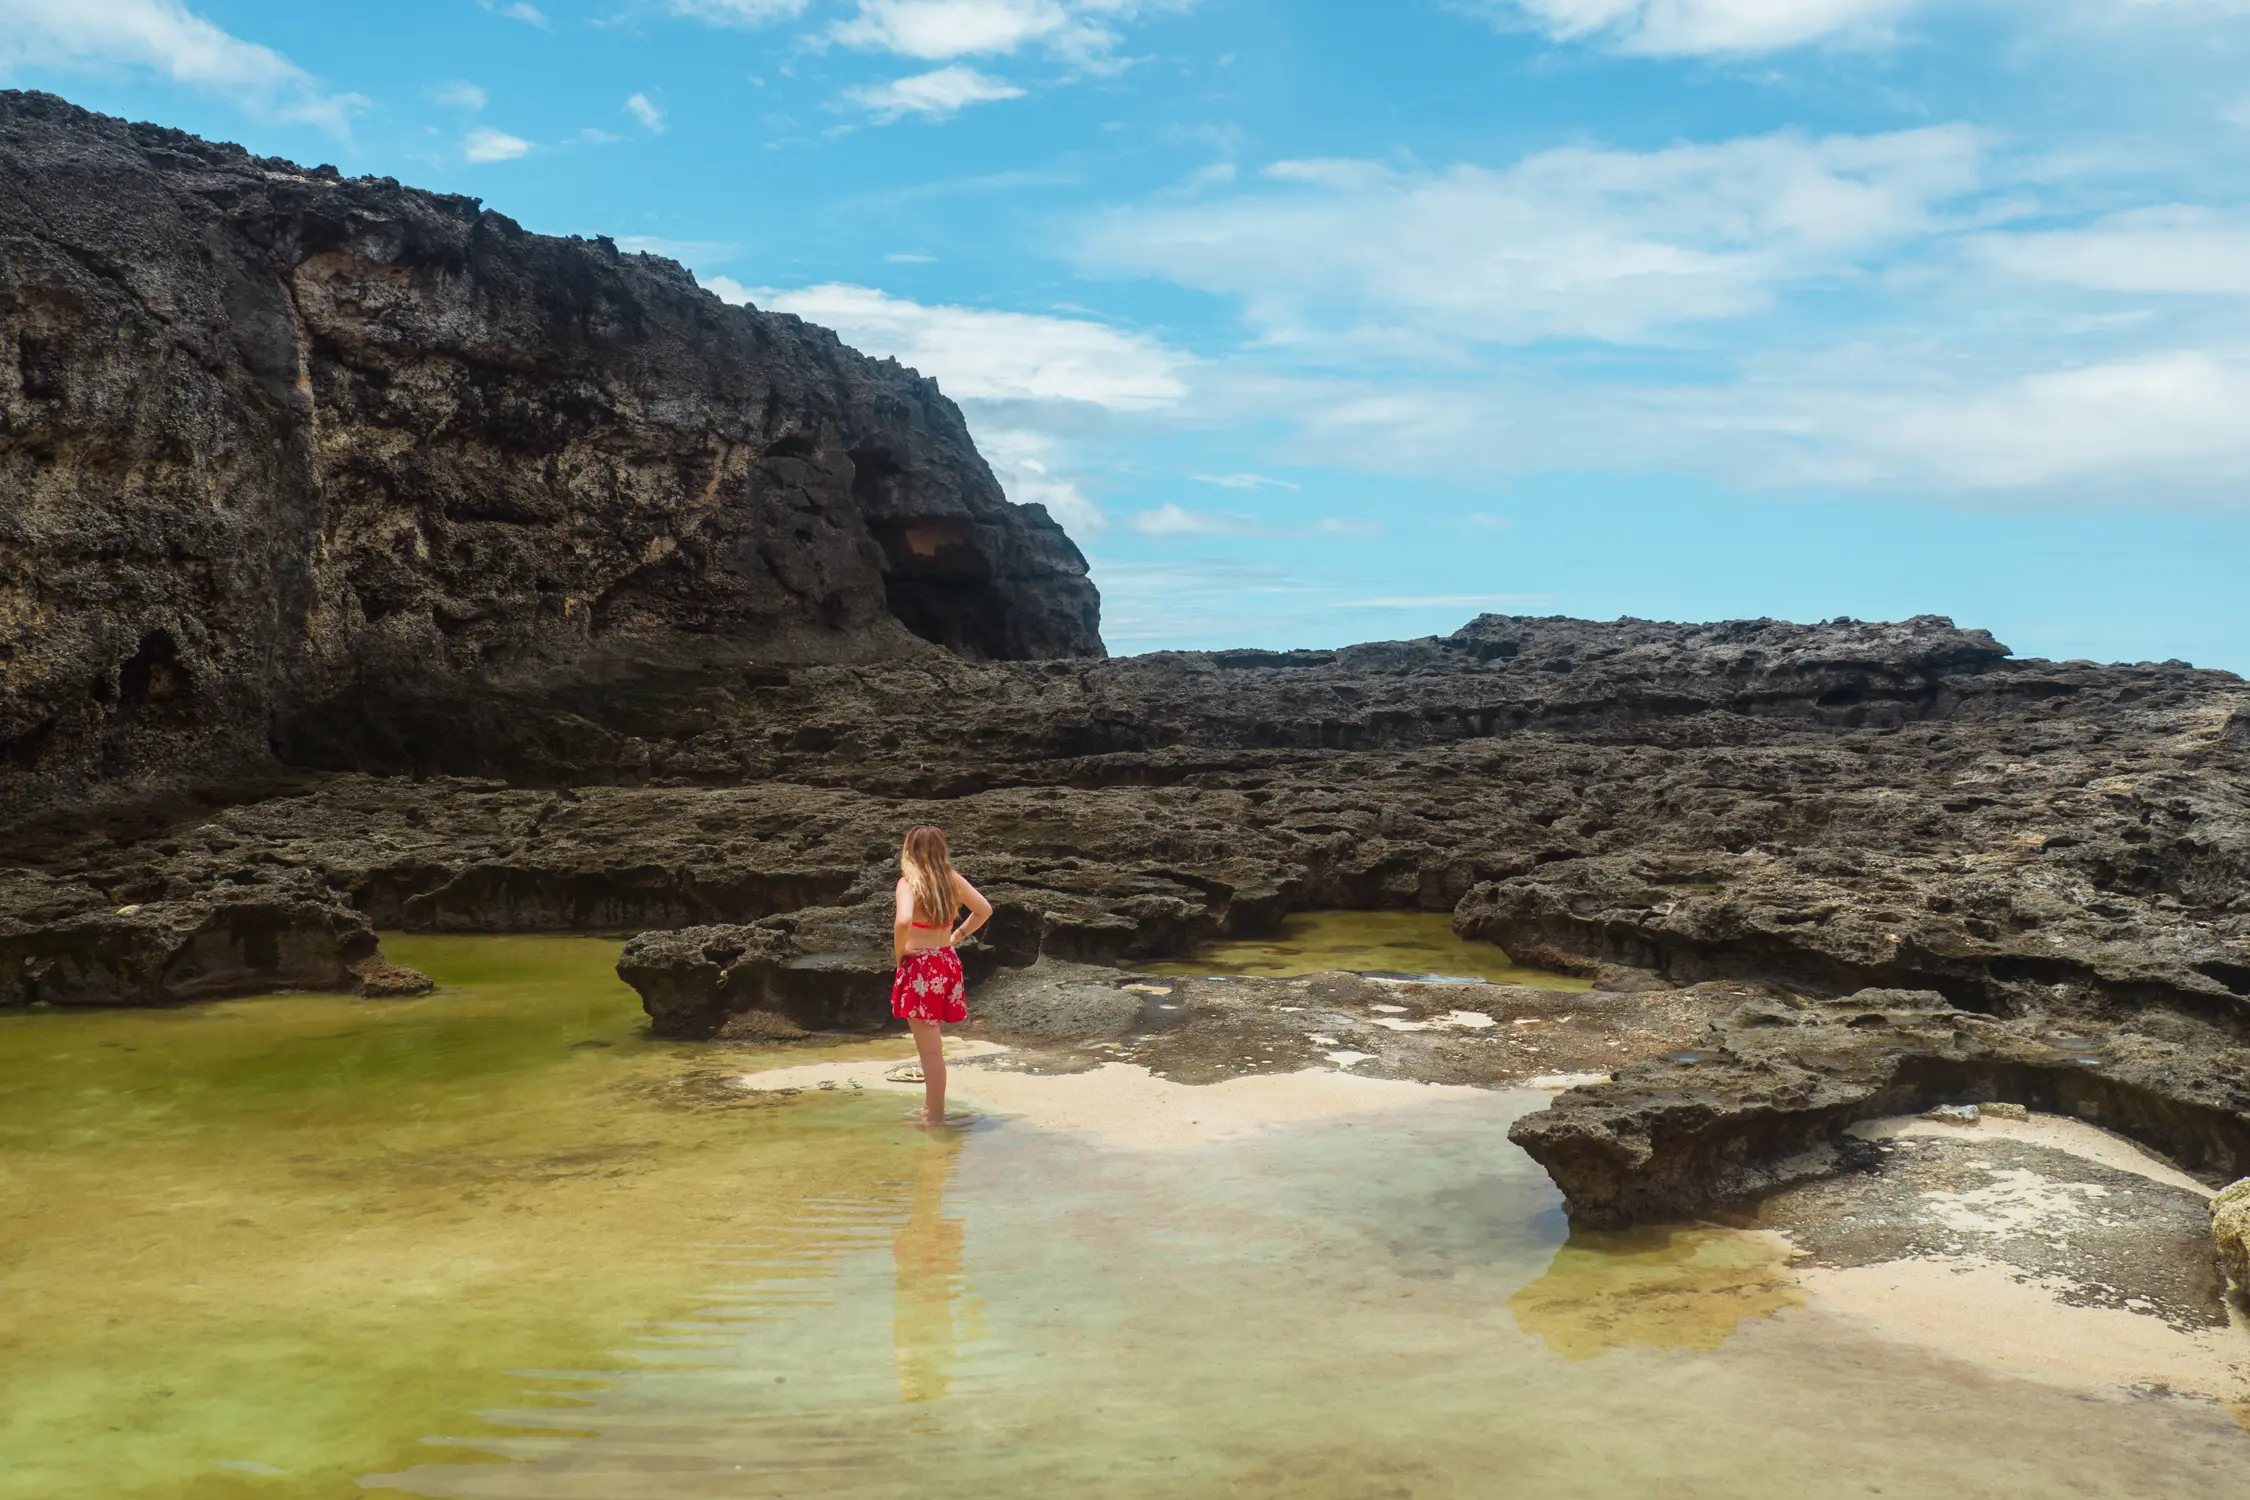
{"type": "Point", "coordinates": [300, 469]}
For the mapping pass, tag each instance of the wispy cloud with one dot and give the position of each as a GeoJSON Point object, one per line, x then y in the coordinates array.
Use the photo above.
{"type": "Point", "coordinates": [459, 94]}
{"type": "Point", "coordinates": [941, 30]}
{"type": "Point", "coordinates": [641, 109]}
{"type": "Point", "coordinates": [1191, 602]}
{"type": "Point", "coordinates": [738, 12]}
{"type": "Point", "coordinates": [1701, 27]}
{"type": "Point", "coordinates": [979, 354]}
{"type": "Point", "coordinates": [488, 145]}
{"type": "Point", "coordinates": [700, 252]}
{"type": "Point", "coordinates": [165, 37]}
{"type": "Point", "coordinates": [1448, 601]}
{"type": "Point", "coordinates": [932, 95]}
{"type": "Point", "coordinates": [1245, 482]}
{"type": "Point", "coordinates": [2172, 248]}
{"type": "Point", "coordinates": [1174, 521]}
{"type": "Point", "coordinates": [519, 10]}
{"type": "Point", "coordinates": [1024, 461]}
{"type": "Point", "coordinates": [1574, 243]}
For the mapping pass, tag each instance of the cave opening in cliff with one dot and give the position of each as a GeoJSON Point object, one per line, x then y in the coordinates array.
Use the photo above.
{"type": "Point", "coordinates": [154, 682]}
{"type": "Point", "coordinates": [940, 586]}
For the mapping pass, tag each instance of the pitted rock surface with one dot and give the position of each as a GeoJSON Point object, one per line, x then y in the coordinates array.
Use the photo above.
{"type": "Point", "coordinates": [1679, 803]}
{"type": "Point", "coordinates": [2092, 1235]}
{"type": "Point", "coordinates": [1764, 1098]}
{"type": "Point", "coordinates": [305, 469]}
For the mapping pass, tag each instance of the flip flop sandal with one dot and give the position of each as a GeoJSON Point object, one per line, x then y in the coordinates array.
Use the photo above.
{"type": "Point", "coordinates": [904, 1073]}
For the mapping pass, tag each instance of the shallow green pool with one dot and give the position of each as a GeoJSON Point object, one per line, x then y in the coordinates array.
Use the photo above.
{"type": "Point", "coordinates": [495, 1242]}
{"type": "Point", "coordinates": [1418, 944]}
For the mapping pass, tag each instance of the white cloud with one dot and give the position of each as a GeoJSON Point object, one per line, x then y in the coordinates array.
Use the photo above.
{"type": "Point", "coordinates": [909, 258]}
{"type": "Point", "coordinates": [2237, 113]}
{"type": "Point", "coordinates": [485, 144]}
{"type": "Point", "coordinates": [461, 95]}
{"type": "Point", "coordinates": [2175, 248]}
{"type": "Point", "coordinates": [1245, 482]}
{"type": "Point", "coordinates": [1574, 243]}
{"type": "Point", "coordinates": [164, 36]}
{"type": "Point", "coordinates": [639, 107]}
{"type": "Point", "coordinates": [932, 95]}
{"type": "Point", "coordinates": [980, 355]}
{"type": "Point", "coordinates": [1023, 462]}
{"type": "Point", "coordinates": [1173, 520]}
{"type": "Point", "coordinates": [738, 12]}
{"type": "Point", "coordinates": [2165, 419]}
{"type": "Point", "coordinates": [1704, 27]}
{"type": "Point", "coordinates": [940, 30]}
{"type": "Point", "coordinates": [1928, 420]}
{"type": "Point", "coordinates": [687, 250]}
{"type": "Point", "coordinates": [530, 15]}
{"type": "Point", "coordinates": [1448, 601]}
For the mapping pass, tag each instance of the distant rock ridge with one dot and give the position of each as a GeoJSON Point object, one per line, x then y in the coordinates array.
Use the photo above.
{"type": "Point", "coordinates": [297, 467]}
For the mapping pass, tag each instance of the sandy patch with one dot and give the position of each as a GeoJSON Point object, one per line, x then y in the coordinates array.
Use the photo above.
{"type": "Point", "coordinates": [1989, 1313]}
{"type": "Point", "coordinates": [1126, 1106]}
{"type": "Point", "coordinates": [1556, 1083]}
{"type": "Point", "coordinates": [1452, 1020]}
{"type": "Point", "coordinates": [2056, 1132]}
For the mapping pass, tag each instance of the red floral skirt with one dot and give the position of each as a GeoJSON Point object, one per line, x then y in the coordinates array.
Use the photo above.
{"type": "Point", "coordinates": [929, 987]}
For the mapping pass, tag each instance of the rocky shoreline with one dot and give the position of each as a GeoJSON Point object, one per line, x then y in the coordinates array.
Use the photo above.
{"type": "Point", "coordinates": [2019, 858]}
{"type": "Point", "coordinates": [584, 602]}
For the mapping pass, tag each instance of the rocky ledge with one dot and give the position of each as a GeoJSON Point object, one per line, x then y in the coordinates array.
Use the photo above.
{"type": "Point", "coordinates": [1765, 1097]}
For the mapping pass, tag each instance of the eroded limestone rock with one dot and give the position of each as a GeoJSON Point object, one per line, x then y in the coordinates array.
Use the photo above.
{"type": "Point", "coordinates": [2230, 1232]}
{"type": "Point", "coordinates": [62, 943]}
{"type": "Point", "coordinates": [1762, 1100]}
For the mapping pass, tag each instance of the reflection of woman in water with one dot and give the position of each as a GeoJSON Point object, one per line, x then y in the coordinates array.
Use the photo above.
{"type": "Point", "coordinates": [928, 990]}
{"type": "Point", "coordinates": [927, 1250]}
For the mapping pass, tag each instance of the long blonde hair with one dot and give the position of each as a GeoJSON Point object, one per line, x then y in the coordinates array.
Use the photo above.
{"type": "Point", "coordinates": [928, 868]}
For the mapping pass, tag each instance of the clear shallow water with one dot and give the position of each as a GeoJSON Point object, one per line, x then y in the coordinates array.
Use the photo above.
{"type": "Point", "coordinates": [1417, 943]}
{"type": "Point", "coordinates": [454, 1247]}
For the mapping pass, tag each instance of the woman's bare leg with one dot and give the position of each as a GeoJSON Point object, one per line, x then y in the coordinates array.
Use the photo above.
{"type": "Point", "coordinates": [929, 1045]}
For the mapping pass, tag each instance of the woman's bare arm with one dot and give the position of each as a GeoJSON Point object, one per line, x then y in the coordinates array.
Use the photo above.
{"type": "Point", "coordinates": [902, 920]}
{"type": "Point", "coordinates": [980, 910]}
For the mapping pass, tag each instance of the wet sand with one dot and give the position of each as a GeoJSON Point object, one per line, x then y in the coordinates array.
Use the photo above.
{"type": "Point", "coordinates": [1122, 1105]}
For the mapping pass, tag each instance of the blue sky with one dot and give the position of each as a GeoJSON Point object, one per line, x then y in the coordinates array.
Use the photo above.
{"type": "Point", "coordinates": [1328, 322]}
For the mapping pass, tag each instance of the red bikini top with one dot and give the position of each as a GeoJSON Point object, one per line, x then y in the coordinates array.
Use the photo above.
{"type": "Point", "coordinates": [927, 926]}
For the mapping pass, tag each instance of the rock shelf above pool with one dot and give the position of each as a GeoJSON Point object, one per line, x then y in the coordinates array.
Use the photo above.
{"type": "Point", "coordinates": [1766, 1096]}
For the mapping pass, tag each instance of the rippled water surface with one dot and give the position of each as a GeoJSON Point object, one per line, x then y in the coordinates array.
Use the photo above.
{"type": "Point", "coordinates": [1417, 943]}
{"type": "Point", "coordinates": [496, 1243]}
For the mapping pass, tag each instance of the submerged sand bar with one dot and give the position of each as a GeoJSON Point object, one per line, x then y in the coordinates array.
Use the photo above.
{"type": "Point", "coordinates": [1123, 1105]}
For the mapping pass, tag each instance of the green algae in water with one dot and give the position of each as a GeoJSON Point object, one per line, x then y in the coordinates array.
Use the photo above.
{"type": "Point", "coordinates": [282, 1241]}
{"type": "Point", "coordinates": [498, 1243]}
{"type": "Point", "coordinates": [1417, 943]}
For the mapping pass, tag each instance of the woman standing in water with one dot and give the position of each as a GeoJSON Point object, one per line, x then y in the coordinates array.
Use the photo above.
{"type": "Point", "coordinates": [929, 990]}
